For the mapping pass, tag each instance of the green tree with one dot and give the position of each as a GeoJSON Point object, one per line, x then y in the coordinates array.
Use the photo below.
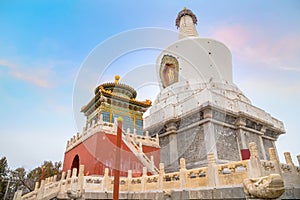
{"type": "Point", "coordinates": [21, 182]}
{"type": "Point", "coordinates": [26, 181]}
{"type": "Point", "coordinates": [3, 176]}
{"type": "Point", "coordinates": [21, 179]}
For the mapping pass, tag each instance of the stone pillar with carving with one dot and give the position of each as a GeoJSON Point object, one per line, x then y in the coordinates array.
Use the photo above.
{"type": "Point", "coordinates": [74, 181]}
{"type": "Point", "coordinates": [144, 176]}
{"type": "Point", "coordinates": [288, 159]}
{"type": "Point", "coordinates": [213, 178]}
{"type": "Point", "coordinates": [182, 171]}
{"type": "Point", "coordinates": [81, 178]}
{"type": "Point", "coordinates": [62, 186]}
{"type": "Point", "coordinates": [68, 174]}
{"type": "Point", "coordinates": [18, 195]}
{"type": "Point", "coordinates": [36, 187]}
{"type": "Point", "coordinates": [161, 176]}
{"type": "Point", "coordinates": [63, 176]}
{"type": "Point", "coordinates": [129, 177]}
{"type": "Point", "coordinates": [40, 193]}
{"type": "Point", "coordinates": [254, 162]}
{"type": "Point", "coordinates": [106, 180]}
{"type": "Point", "coordinates": [275, 161]}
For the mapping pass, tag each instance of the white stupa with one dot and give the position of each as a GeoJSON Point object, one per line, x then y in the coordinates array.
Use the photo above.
{"type": "Point", "coordinates": [197, 92]}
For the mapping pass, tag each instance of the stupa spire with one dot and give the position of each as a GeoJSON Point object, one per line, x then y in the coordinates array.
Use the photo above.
{"type": "Point", "coordinates": [186, 21]}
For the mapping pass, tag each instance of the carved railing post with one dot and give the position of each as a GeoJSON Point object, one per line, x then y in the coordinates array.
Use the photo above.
{"type": "Point", "coordinates": [275, 161]}
{"type": "Point", "coordinates": [36, 187]}
{"type": "Point", "coordinates": [161, 176]}
{"type": "Point", "coordinates": [63, 176]}
{"type": "Point", "coordinates": [54, 178]}
{"type": "Point", "coordinates": [213, 176]}
{"type": "Point", "coordinates": [152, 163]}
{"type": "Point", "coordinates": [62, 186]}
{"type": "Point", "coordinates": [147, 137]}
{"type": "Point", "coordinates": [129, 177]}
{"type": "Point", "coordinates": [290, 176]}
{"type": "Point", "coordinates": [144, 176]}
{"type": "Point", "coordinates": [74, 184]}
{"type": "Point", "coordinates": [40, 193]}
{"type": "Point", "coordinates": [68, 174]}
{"type": "Point", "coordinates": [18, 195]}
{"type": "Point", "coordinates": [182, 171]}
{"type": "Point", "coordinates": [74, 172]}
{"type": "Point", "coordinates": [140, 147]}
{"type": "Point", "coordinates": [105, 180]}
{"type": "Point", "coordinates": [254, 162]}
{"type": "Point", "coordinates": [81, 178]}
{"type": "Point", "coordinates": [288, 159]}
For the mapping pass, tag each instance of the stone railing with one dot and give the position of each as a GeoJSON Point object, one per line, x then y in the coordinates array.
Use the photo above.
{"type": "Point", "coordinates": [214, 176]}
{"type": "Point", "coordinates": [110, 128]}
{"type": "Point", "coordinates": [237, 106]}
{"type": "Point", "coordinates": [290, 172]}
{"type": "Point", "coordinates": [144, 139]}
{"type": "Point", "coordinates": [233, 173]}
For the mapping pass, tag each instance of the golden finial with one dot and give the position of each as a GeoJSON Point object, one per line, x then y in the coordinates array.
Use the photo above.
{"type": "Point", "coordinates": [117, 78]}
{"type": "Point", "coordinates": [119, 119]}
{"type": "Point", "coordinates": [184, 8]}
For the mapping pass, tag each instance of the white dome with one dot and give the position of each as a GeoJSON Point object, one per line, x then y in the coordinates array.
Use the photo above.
{"type": "Point", "coordinates": [200, 60]}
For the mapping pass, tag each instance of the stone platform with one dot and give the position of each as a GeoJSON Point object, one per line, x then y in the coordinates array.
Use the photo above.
{"type": "Point", "coordinates": [246, 179]}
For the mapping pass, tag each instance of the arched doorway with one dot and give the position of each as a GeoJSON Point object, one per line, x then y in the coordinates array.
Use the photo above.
{"type": "Point", "coordinates": [75, 164]}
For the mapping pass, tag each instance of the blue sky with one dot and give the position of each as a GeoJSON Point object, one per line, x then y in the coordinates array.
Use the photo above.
{"type": "Point", "coordinates": [44, 43]}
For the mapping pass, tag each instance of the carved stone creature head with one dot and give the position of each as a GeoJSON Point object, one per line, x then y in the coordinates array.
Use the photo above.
{"type": "Point", "coordinates": [270, 187]}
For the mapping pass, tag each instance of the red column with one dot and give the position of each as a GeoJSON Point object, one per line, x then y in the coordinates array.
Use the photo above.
{"type": "Point", "coordinates": [117, 165]}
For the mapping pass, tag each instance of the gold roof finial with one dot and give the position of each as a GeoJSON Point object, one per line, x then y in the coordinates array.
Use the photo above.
{"type": "Point", "coordinates": [119, 119]}
{"type": "Point", "coordinates": [184, 8]}
{"type": "Point", "coordinates": [117, 78]}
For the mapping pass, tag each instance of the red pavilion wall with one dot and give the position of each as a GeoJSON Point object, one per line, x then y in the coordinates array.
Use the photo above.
{"type": "Point", "coordinates": [98, 152]}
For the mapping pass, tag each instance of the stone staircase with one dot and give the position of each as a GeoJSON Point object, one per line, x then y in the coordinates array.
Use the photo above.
{"type": "Point", "coordinates": [138, 152]}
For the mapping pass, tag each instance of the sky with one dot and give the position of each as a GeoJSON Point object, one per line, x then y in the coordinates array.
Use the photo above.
{"type": "Point", "coordinates": [44, 44]}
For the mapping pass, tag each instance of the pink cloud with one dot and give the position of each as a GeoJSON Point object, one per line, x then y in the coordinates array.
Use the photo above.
{"type": "Point", "coordinates": [36, 76]}
{"type": "Point", "coordinates": [253, 47]}
{"type": "Point", "coordinates": [235, 37]}
{"type": "Point", "coordinates": [31, 77]}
